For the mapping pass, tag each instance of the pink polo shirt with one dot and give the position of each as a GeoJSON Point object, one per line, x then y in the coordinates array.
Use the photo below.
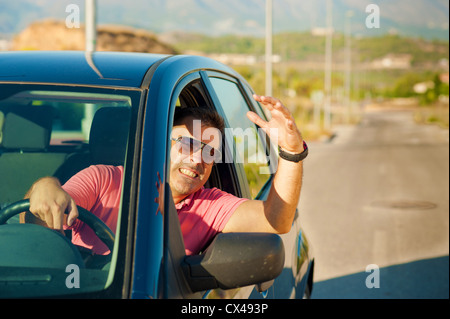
{"type": "Point", "coordinates": [203, 214]}
{"type": "Point", "coordinates": [98, 188]}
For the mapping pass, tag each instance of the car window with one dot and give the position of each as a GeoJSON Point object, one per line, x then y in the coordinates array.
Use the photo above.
{"type": "Point", "coordinates": [248, 146]}
{"type": "Point", "coordinates": [72, 112]}
{"type": "Point", "coordinates": [56, 131]}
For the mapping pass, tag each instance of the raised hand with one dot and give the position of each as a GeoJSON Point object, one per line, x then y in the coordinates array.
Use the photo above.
{"type": "Point", "coordinates": [282, 122]}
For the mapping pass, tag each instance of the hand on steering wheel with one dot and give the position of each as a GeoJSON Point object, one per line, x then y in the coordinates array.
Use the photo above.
{"type": "Point", "coordinates": [96, 224]}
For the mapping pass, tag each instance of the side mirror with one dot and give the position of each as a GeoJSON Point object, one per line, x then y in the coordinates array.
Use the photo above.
{"type": "Point", "coordinates": [235, 260]}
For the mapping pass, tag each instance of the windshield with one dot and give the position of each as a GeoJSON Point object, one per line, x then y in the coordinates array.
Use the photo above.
{"type": "Point", "coordinates": [59, 131]}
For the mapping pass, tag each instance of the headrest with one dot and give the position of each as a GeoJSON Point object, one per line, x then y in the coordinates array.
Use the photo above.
{"type": "Point", "coordinates": [109, 135]}
{"type": "Point", "coordinates": [26, 127]}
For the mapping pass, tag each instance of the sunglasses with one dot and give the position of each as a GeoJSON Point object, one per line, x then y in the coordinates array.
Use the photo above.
{"type": "Point", "coordinates": [191, 146]}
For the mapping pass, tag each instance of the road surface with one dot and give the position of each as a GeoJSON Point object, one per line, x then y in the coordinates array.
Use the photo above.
{"type": "Point", "coordinates": [378, 193]}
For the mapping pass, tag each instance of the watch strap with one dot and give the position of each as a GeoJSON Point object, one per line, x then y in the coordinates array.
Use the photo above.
{"type": "Point", "coordinates": [294, 157]}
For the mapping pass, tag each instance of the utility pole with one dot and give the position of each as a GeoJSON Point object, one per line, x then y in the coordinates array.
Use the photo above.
{"type": "Point", "coordinates": [90, 47]}
{"type": "Point", "coordinates": [91, 25]}
{"type": "Point", "coordinates": [328, 65]}
{"type": "Point", "coordinates": [348, 65]}
{"type": "Point", "coordinates": [269, 48]}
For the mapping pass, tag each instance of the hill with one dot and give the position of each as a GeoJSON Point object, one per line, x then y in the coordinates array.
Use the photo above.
{"type": "Point", "coordinates": [307, 47]}
{"type": "Point", "coordinates": [419, 18]}
{"type": "Point", "coordinates": [54, 35]}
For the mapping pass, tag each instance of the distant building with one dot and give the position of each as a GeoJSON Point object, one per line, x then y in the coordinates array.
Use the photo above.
{"type": "Point", "coordinates": [444, 78]}
{"type": "Point", "coordinates": [4, 45]}
{"type": "Point", "coordinates": [321, 32]}
{"type": "Point", "coordinates": [423, 87]}
{"type": "Point", "coordinates": [393, 61]}
{"type": "Point", "coordinates": [235, 59]}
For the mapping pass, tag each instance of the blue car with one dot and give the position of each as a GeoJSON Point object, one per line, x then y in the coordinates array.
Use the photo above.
{"type": "Point", "coordinates": [61, 112]}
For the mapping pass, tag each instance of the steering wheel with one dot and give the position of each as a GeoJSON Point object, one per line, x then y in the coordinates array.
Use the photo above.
{"type": "Point", "coordinates": [96, 224]}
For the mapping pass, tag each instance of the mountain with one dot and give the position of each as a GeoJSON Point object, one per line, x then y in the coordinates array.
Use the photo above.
{"type": "Point", "coordinates": [420, 18]}
{"type": "Point", "coordinates": [54, 35]}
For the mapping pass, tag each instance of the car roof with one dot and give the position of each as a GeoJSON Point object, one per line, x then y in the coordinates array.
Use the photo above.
{"type": "Point", "coordinates": [118, 69]}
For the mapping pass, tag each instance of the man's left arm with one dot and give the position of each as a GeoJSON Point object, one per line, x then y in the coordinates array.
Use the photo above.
{"type": "Point", "coordinates": [276, 213]}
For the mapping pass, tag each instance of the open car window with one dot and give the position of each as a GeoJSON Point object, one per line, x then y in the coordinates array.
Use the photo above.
{"type": "Point", "coordinates": [247, 140]}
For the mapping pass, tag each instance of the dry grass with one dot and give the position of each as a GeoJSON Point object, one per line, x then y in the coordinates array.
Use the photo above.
{"type": "Point", "coordinates": [436, 114]}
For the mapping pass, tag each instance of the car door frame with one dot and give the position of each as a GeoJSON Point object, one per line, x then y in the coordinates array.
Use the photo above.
{"type": "Point", "coordinates": [175, 284]}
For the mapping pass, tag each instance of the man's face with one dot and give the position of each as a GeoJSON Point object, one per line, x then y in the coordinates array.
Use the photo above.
{"type": "Point", "coordinates": [189, 170]}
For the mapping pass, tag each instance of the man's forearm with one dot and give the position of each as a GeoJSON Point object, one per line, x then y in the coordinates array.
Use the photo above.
{"type": "Point", "coordinates": [284, 195]}
{"type": "Point", "coordinates": [277, 212]}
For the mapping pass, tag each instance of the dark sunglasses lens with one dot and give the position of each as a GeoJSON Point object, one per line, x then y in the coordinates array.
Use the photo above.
{"type": "Point", "coordinates": [215, 153]}
{"type": "Point", "coordinates": [191, 145]}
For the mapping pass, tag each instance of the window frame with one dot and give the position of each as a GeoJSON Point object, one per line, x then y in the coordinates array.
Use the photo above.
{"type": "Point", "coordinates": [253, 106]}
{"type": "Point", "coordinates": [119, 279]}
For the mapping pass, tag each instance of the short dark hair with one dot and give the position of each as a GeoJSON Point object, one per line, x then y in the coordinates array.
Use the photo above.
{"type": "Point", "coordinates": [207, 116]}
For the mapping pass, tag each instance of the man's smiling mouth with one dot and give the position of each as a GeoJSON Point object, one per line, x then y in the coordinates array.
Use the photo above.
{"type": "Point", "coordinates": [188, 173]}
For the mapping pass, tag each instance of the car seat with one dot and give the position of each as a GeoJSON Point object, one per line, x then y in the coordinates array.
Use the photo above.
{"type": "Point", "coordinates": [24, 156]}
{"type": "Point", "coordinates": [108, 139]}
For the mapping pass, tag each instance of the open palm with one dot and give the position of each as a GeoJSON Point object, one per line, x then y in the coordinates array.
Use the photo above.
{"type": "Point", "coordinates": [281, 127]}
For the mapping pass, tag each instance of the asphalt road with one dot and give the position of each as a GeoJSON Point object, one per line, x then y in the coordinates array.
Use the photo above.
{"type": "Point", "coordinates": [378, 193]}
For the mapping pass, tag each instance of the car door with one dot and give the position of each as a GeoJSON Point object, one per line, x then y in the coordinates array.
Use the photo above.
{"type": "Point", "coordinates": [185, 276]}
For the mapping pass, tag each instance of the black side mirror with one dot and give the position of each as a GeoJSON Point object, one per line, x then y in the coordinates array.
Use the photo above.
{"type": "Point", "coordinates": [236, 260]}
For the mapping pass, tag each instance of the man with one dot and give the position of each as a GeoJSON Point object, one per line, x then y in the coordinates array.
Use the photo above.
{"type": "Point", "coordinates": [202, 212]}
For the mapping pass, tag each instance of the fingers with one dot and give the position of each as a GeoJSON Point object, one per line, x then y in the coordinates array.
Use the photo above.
{"type": "Point", "coordinates": [291, 125]}
{"type": "Point", "coordinates": [255, 118]}
{"type": "Point", "coordinates": [159, 200]}
{"type": "Point", "coordinates": [159, 178]}
{"type": "Point", "coordinates": [58, 220]}
{"type": "Point", "coordinates": [272, 103]}
{"type": "Point", "coordinates": [73, 213]}
{"type": "Point", "coordinates": [267, 101]}
{"type": "Point", "coordinates": [288, 135]}
{"type": "Point", "coordinates": [52, 213]}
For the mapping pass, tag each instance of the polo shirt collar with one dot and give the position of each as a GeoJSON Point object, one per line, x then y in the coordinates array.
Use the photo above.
{"type": "Point", "coordinates": [188, 200]}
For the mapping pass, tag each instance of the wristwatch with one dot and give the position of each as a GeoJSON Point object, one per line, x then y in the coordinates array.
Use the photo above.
{"type": "Point", "coordinates": [294, 157]}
